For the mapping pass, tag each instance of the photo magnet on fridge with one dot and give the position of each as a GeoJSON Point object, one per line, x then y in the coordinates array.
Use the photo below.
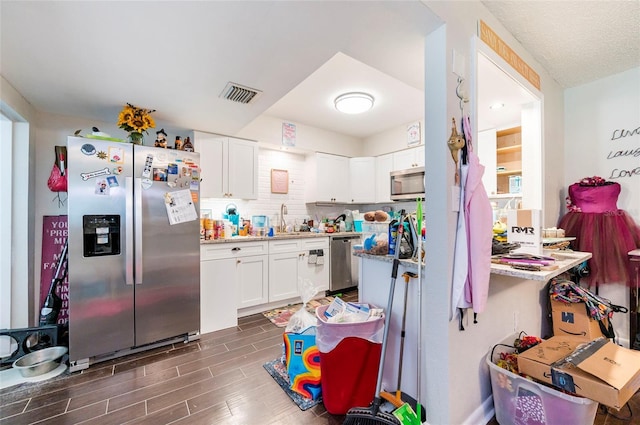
{"type": "Point", "coordinates": [102, 187]}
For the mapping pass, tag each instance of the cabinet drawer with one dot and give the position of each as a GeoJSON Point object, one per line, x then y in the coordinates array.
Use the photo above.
{"type": "Point", "coordinates": [232, 250]}
{"type": "Point", "coordinates": [284, 245]}
{"type": "Point", "coordinates": [314, 243]}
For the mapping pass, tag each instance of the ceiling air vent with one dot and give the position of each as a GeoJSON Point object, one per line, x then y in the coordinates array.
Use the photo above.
{"type": "Point", "coordinates": [239, 93]}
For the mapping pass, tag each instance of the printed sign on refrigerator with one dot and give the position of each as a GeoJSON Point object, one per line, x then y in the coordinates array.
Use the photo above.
{"type": "Point", "coordinates": [180, 206]}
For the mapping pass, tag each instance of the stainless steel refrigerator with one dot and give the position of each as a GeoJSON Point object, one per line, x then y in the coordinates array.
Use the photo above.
{"type": "Point", "coordinates": [134, 247]}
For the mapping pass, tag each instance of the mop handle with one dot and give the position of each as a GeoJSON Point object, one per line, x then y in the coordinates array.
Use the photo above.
{"type": "Point", "coordinates": [402, 331]}
{"type": "Point", "coordinates": [61, 261]}
{"type": "Point", "coordinates": [394, 274]}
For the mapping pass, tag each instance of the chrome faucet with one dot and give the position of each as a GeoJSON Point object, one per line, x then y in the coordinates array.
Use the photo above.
{"type": "Point", "coordinates": [283, 223]}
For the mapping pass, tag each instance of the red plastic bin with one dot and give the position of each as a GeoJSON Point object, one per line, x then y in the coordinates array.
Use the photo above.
{"type": "Point", "coordinates": [349, 371]}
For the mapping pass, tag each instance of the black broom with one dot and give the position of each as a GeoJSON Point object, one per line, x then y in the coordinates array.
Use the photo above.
{"type": "Point", "coordinates": [373, 415]}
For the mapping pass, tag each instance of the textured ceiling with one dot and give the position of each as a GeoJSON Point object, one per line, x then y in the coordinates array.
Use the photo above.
{"type": "Point", "coordinates": [575, 41]}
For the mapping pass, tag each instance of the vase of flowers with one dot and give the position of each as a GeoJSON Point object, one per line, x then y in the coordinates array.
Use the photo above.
{"type": "Point", "coordinates": [136, 121]}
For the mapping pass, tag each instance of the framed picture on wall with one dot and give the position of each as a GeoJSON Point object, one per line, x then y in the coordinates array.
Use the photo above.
{"type": "Point", "coordinates": [413, 134]}
{"type": "Point", "coordinates": [279, 181]}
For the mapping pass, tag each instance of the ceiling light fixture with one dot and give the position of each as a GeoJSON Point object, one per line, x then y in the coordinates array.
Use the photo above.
{"type": "Point", "coordinates": [354, 102]}
{"type": "Point", "coordinates": [497, 106]}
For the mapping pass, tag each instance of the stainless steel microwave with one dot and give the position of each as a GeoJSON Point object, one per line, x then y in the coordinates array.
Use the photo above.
{"type": "Point", "coordinates": [407, 184]}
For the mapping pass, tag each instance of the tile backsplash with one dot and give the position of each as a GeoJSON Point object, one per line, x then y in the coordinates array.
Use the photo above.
{"type": "Point", "coordinates": [269, 203]}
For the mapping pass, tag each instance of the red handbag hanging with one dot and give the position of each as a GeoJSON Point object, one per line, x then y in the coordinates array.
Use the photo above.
{"type": "Point", "coordinates": [58, 179]}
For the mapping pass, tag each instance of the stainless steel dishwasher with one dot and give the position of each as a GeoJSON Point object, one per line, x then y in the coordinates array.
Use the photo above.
{"type": "Point", "coordinates": [344, 266]}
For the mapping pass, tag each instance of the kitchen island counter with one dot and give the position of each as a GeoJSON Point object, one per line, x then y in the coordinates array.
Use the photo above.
{"type": "Point", "coordinates": [565, 260]}
{"type": "Point", "coordinates": [278, 236]}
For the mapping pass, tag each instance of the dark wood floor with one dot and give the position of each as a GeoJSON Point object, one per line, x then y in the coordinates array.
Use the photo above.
{"type": "Point", "coordinates": [218, 379]}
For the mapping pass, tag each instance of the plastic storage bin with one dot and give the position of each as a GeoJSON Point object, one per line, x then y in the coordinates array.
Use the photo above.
{"type": "Point", "coordinates": [349, 360]}
{"type": "Point", "coordinates": [520, 401]}
{"type": "Point", "coordinates": [375, 237]}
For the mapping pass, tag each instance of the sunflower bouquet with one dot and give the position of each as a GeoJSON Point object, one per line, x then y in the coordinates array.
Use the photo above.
{"type": "Point", "coordinates": [135, 121]}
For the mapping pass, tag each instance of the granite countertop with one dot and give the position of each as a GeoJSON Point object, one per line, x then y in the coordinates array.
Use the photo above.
{"type": "Point", "coordinates": [279, 236]}
{"type": "Point", "coordinates": [564, 259]}
{"type": "Point", "coordinates": [409, 264]}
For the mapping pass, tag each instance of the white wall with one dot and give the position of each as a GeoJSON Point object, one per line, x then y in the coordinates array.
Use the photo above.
{"type": "Point", "coordinates": [268, 130]}
{"type": "Point", "coordinates": [18, 207]}
{"type": "Point", "coordinates": [596, 115]}
{"type": "Point", "coordinates": [391, 140]}
{"type": "Point", "coordinates": [457, 380]}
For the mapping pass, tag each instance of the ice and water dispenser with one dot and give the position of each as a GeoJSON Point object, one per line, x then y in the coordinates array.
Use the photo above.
{"type": "Point", "coordinates": [101, 235]}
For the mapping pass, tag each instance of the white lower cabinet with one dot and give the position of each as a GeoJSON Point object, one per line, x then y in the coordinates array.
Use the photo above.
{"type": "Point", "coordinates": [232, 276]}
{"type": "Point", "coordinates": [239, 275]}
{"type": "Point", "coordinates": [216, 310]}
{"type": "Point", "coordinates": [292, 259]}
{"type": "Point", "coordinates": [283, 275]}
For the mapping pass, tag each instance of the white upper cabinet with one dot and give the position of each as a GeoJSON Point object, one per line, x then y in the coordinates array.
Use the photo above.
{"type": "Point", "coordinates": [363, 182]}
{"type": "Point", "coordinates": [327, 178]}
{"type": "Point", "coordinates": [384, 166]}
{"type": "Point", "coordinates": [229, 166]}
{"type": "Point", "coordinates": [408, 158]}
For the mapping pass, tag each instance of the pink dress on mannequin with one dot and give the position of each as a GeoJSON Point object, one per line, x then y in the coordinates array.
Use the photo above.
{"type": "Point", "coordinates": [604, 230]}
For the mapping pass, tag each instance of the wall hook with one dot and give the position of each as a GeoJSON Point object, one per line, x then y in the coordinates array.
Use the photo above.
{"type": "Point", "coordinates": [462, 98]}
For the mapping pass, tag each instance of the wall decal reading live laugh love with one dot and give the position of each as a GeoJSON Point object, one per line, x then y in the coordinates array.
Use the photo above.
{"type": "Point", "coordinates": [618, 173]}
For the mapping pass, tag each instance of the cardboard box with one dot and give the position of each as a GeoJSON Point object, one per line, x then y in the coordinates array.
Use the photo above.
{"type": "Point", "coordinates": [523, 227]}
{"type": "Point", "coordinates": [598, 369]}
{"type": "Point", "coordinates": [572, 319]}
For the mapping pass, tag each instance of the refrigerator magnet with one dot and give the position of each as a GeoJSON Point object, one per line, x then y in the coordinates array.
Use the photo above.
{"type": "Point", "coordinates": [146, 172]}
{"type": "Point", "coordinates": [116, 155]}
{"type": "Point", "coordinates": [160, 174]}
{"type": "Point", "coordinates": [112, 181]}
{"type": "Point", "coordinates": [172, 168]}
{"type": "Point", "coordinates": [93, 174]}
{"type": "Point", "coordinates": [117, 170]}
{"type": "Point", "coordinates": [88, 149]}
{"type": "Point", "coordinates": [146, 183]}
{"type": "Point", "coordinates": [102, 155]}
{"type": "Point", "coordinates": [102, 187]}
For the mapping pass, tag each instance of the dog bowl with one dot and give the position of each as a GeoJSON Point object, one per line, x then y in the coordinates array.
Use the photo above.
{"type": "Point", "coordinates": [40, 362]}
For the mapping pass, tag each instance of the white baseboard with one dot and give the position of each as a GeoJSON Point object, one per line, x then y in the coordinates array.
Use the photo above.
{"type": "Point", "coordinates": [483, 414]}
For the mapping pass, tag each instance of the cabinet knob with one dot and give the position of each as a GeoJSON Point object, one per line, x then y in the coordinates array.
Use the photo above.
{"type": "Point", "coordinates": [231, 195]}
{"type": "Point", "coordinates": [238, 261]}
{"type": "Point", "coordinates": [236, 249]}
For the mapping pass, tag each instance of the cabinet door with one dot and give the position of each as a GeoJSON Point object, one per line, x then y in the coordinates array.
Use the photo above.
{"type": "Point", "coordinates": [283, 276]}
{"type": "Point", "coordinates": [213, 163]}
{"type": "Point", "coordinates": [252, 274]}
{"type": "Point", "coordinates": [418, 156]}
{"type": "Point", "coordinates": [217, 295]}
{"type": "Point", "coordinates": [408, 158]}
{"type": "Point", "coordinates": [243, 169]}
{"type": "Point", "coordinates": [362, 180]}
{"type": "Point", "coordinates": [403, 160]}
{"type": "Point", "coordinates": [333, 178]}
{"type": "Point", "coordinates": [384, 166]}
{"type": "Point", "coordinates": [317, 273]}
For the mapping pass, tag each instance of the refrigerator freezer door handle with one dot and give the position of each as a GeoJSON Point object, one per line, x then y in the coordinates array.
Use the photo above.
{"type": "Point", "coordinates": [129, 231]}
{"type": "Point", "coordinates": [138, 229]}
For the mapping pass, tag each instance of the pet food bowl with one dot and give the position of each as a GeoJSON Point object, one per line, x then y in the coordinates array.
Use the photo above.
{"type": "Point", "coordinates": [40, 362]}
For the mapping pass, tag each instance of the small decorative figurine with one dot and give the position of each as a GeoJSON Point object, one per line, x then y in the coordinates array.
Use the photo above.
{"type": "Point", "coordinates": [455, 143]}
{"type": "Point", "coordinates": [178, 143]}
{"type": "Point", "coordinates": [188, 146]}
{"type": "Point", "coordinates": [161, 139]}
